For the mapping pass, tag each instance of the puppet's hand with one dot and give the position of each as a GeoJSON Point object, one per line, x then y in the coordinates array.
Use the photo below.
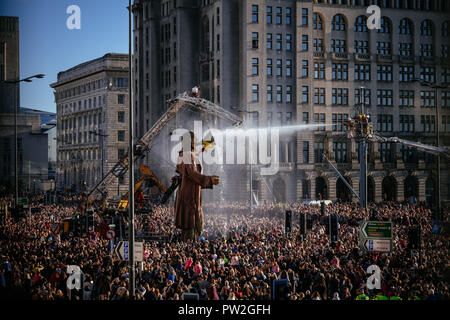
{"type": "Point", "coordinates": [215, 180]}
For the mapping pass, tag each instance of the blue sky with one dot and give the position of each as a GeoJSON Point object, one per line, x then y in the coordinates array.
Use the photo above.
{"type": "Point", "coordinates": [48, 46]}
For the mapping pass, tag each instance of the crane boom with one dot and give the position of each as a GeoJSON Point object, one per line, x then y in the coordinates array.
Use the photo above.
{"type": "Point", "coordinates": [418, 145]}
{"type": "Point", "coordinates": [143, 144]}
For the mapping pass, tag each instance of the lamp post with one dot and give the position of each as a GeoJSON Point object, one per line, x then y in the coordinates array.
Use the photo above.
{"type": "Point", "coordinates": [435, 86]}
{"type": "Point", "coordinates": [16, 176]}
{"type": "Point", "coordinates": [101, 141]}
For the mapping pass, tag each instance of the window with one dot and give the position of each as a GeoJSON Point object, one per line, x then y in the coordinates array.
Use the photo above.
{"type": "Point", "coordinates": [255, 93]}
{"type": "Point", "coordinates": [318, 152]}
{"type": "Point", "coordinates": [304, 68]}
{"type": "Point", "coordinates": [279, 94]}
{"type": "Point", "coordinates": [279, 67]}
{"type": "Point", "coordinates": [406, 73]}
{"type": "Point", "coordinates": [304, 17]}
{"type": "Point", "coordinates": [428, 74]}
{"type": "Point", "coordinates": [384, 72]}
{"type": "Point", "coordinates": [289, 95]}
{"type": "Point", "coordinates": [427, 99]}
{"type": "Point", "coordinates": [279, 42]}
{"type": "Point", "coordinates": [305, 118]}
{"type": "Point", "coordinates": [445, 50]}
{"type": "Point", "coordinates": [278, 16]}
{"type": "Point", "coordinates": [405, 49]}
{"type": "Point", "coordinates": [385, 26]}
{"type": "Point", "coordinates": [288, 68]}
{"type": "Point", "coordinates": [340, 152]}
{"type": "Point", "coordinates": [305, 94]}
{"type": "Point", "coordinates": [384, 122]}
{"type": "Point", "coordinates": [406, 123]}
{"type": "Point", "coordinates": [384, 98]}
{"type": "Point", "coordinates": [121, 116]}
{"type": "Point", "coordinates": [288, 42]}
{"type": "Point", "coordinates": [269, 119]}
{"type": "Point", "coordinates": [269, 67]}
{"type": "Point", "coordinates": [339, 71]}
{"type": "Point", "coordinates": [288, 118]}
{"type": "Point", "coordinates": [255, 66]}
{"type": "Point", "coordinates": [319, 70]}
{"type": "Point", "coordinates": [255, 41]}
{"type": "Point", "coordinates": [405, 27]}
{"type": "Point", "coordinates": [339, 96]}
{"type": "Point", "coordinates": [445, 75]}
{"type": "Point", "coordinates": [121, 99]}
{"type": "Point", "coordinates": [288, 16]}
{"type": "Point", "coordinates": [426, 50]}
{"type": "Point", "coordinates": [338, 120]}
{"type": "Point", "coordinates": [445, 99]}
{"type": "Point", "coordinates": [319, 120]}
{"type": "Point", "coordinates": [269, 15]}
{"type": "Point", "coordinates": [318, 45]}
{"type": "Point", "coordinates": [218, 69]}
{"type": "Point", "coordinates": [426, 28]}
{"type": "Point", "coordinates": [384, 48]}
{"type": "Point", "coordinates": [366, 92]}
{"type": "Point", "coordinates": [279, 117]}
{"type": "Point", "coordinates": [338, 23]}
{"type": "Point", "coordinates": [121, 135]}
{"type": "Point", "coordinates": [338, 46]}
{"type": "Point", "coordinates": [305, 152]}
{"type": "Point", "coordinates": [304, 42]}
{"type": "Point", "coordinates": [362, 72]}
{"type": "Point", "coordinates": [269, 93]}
{"type": "Point", "coordinates": [360, 24]}
{"type": "Point", "coordinates": [361, 46]}
{"type": "Point", "coordinates": [445, 125]}
{"type": "Point", "coordinates": [269, 41]}
{"type": "Point", "coordinates": [386, 155]}
{"type": "Point", "coordinates": [406, 98]}
{"type": "Point", "coordinates": [427, 123]}
{"type": "Point", "coordinates": [254, 13]}
{"type": "Point", "coordinates": [445, 29]}
{"type": "Point", "coordinates": [317, 22]}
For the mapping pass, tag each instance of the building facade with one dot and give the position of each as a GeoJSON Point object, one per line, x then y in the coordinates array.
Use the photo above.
{"type": "Point", "coordinates": [293, 62]}
{"type": "Point", "coordinates": [9, 64]}
{"type": "Point", "coordinates": [92, 123]}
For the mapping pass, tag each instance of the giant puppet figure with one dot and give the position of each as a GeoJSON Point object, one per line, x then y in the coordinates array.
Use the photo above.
{"type": "Point", "coordinates": [188, 201]}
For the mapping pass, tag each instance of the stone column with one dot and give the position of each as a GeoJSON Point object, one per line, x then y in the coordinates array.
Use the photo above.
{"type": "Point", "coordinates": [378, 189]}
{"type": "Point", "coordinates": [332, 188]}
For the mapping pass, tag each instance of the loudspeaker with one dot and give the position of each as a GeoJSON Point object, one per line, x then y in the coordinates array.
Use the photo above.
{"type": "Point", "coordinates": [280, 289]}
{"type": "Point", "coordinates": [288, 221]}
{"type": "Point", "coordinates": [190, 296]}
{"type": "Point", "coordinates": [414, 234]}
{"type": "Point", "coordinates": [302, 222]}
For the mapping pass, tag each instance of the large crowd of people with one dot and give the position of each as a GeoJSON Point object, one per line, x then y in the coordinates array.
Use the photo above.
{"type": "Point", "coordinates": [240, 254]}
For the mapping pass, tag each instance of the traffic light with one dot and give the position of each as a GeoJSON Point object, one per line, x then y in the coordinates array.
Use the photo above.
{"type": "Point", "coordinates": [302, 222]}
{"type": "Point", "coordinates": [333, 228]}
{"type": "Point", "coordinates": [288, 221]}
{"type": "Point", "coordinates": [414, 234]}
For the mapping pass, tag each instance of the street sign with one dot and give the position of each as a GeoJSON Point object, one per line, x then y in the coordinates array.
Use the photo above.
{"type": "Point", "coordinates": [377, 229]}
{"type": "Point", "coordinates": [375, 236]}
{"type": "Point", "coordinates": [110, 234]}
{"type": "Point", "coordinates": [379, 245]}
{"type": "Point", "coordinates": [122, 251]}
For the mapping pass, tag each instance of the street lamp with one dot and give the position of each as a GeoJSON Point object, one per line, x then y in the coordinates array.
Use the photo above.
{"type": "Point", "coordinates": [435, 86]}
{"type": "Point", "coordinates": [101, 138]}
{"type": "Point", "coordinates": [16, 177]}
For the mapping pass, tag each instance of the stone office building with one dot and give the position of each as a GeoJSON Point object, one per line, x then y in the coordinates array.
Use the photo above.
{"type": "Point", "coordinates": [287, 62]}
{"type": "Point", "coordinates": [92, 126]}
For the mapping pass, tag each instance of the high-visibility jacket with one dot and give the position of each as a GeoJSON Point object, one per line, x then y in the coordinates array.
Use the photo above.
{"type": "Point", "coordinates": [395, 298]}
{"type": "Point", "coordinates": [362, 297]}
{"type": "Point", "coordinates": [380, 297]}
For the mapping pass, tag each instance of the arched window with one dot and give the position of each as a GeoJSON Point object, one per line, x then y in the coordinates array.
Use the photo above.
{"type": "Point", "coordinates": [338, 23]}
{"type": "Point", "coordinates": [405, 27]}
{"type": "Point", "coordinates": [426, 28]}
{"type": "Point", "coordinates": [385, 25]}
{"type": "Point", "coordinates": [360, 24]}
{"type": "Point", "coordinates": [317, 22]}
{"type": "Point", "coordinates": [445, 29]}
